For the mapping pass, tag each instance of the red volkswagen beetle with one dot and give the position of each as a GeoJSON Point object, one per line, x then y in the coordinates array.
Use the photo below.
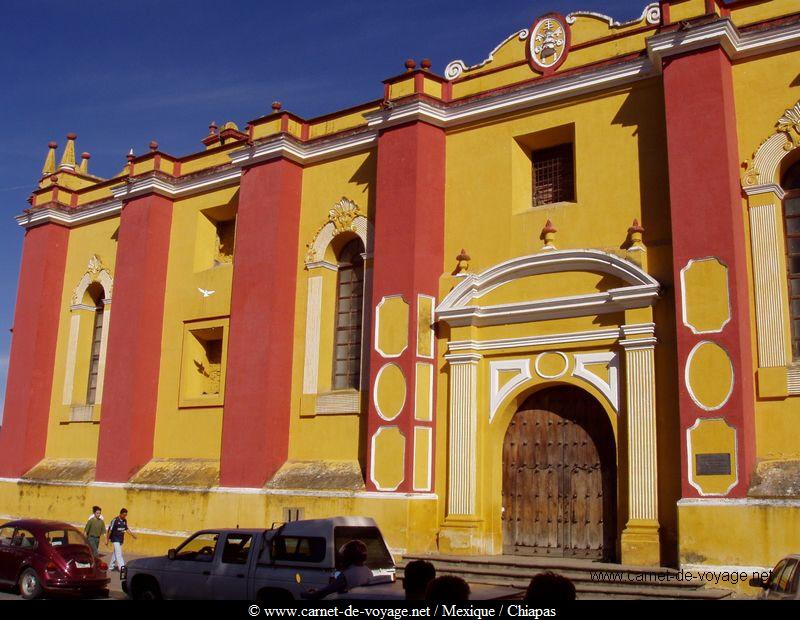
{"type": "Point", "coordinates": [45, 557]}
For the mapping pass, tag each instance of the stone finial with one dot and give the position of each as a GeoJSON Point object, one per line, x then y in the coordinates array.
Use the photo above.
{"type": "Point", "coordinates": [635, 232]}
{"type": "Point", "coordinates": [212, 128]}
{"type": "Point", "coordinates": [426, 64]}
{"type": "Point", "coordinates": [462, 259]}
{"type": "Point", "coordinates": [276, 106]}
{"type": "Point", "coordinates": [68, 157]}
{"type": "Point", "coordinates": [410, 65]}
{"type": "Point", "coordinates": [153, 146]}
{"type": "Point", "coordinates": [549, 236]}
{"type": "Point", "coordinates": [130, 156]}
{"type": "Point", "coordinates": [50, 161]}
{"type": "Point", "coordinates": [84, 167]}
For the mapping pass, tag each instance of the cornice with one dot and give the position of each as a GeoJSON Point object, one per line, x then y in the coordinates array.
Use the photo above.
{"type": "Point", "coordinates": [724, 33]}
{"type": "Point", "coordinates": [70, 217]}
{"type": "Point", "coordinates": [538, 93]}
{"type": "Point", "coordinates": [303, 152]}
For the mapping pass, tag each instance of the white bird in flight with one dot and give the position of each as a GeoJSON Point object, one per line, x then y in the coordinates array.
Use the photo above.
{"type": "Point", "coordinates": [205, 292]}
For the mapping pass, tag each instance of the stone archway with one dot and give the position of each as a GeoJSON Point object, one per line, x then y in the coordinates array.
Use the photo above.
{"type": "Point", "coordinates": [559, 477]}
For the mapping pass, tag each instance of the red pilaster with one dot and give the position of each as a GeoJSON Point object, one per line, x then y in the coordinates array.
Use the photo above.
{"type": "Point", "coordinates": [707, 220]}
{"type": "Point", "coordinates": [23, 436]}
{"type": "Point", "coordinates": [409, 245]}
{"type": "Point", "coordinates": [255, 429]}
{"type": "Point", "coordinates": [134, 340]}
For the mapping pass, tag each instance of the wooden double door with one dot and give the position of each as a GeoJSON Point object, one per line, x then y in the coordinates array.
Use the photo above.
{"type": "Point", "coordinates": [559, 477]}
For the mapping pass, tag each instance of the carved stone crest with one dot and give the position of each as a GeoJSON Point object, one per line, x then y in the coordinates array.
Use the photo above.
{"type": "Point", "coordinates": [789, 123]}
{"type": "Point", "coordinates": [343, 214]}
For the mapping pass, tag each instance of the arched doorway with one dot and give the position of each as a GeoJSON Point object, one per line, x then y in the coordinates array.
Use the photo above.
{"type": "Point", "coordinates": [559, 477]}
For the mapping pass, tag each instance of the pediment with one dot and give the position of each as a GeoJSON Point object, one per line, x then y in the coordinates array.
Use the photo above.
{"type": "Point", "coordinates": [555, 284]}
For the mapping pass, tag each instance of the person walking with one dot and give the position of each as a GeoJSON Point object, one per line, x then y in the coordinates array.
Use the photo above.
{"type": "Point", "coordinates": [116, 536]}
{"type": "Point", "coordinates": [95, 528]}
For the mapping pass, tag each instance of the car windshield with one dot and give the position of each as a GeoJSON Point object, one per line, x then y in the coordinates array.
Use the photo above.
{"type": "Point", "coordinates": [61, 538]}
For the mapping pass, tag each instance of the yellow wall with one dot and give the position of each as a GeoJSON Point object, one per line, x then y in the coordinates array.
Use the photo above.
{"type": "Point", "coordinates": [325, 437]}
{"type": "Point", "coordinates": [77, 439]}
{"type": "Point", "coordinates": [190, 432]}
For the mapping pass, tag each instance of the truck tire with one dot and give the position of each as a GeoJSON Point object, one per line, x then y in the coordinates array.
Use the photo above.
{"type": "Point", "coordinates": [30, 586]}
{"type": "Point", "coordinates": [145, 589]}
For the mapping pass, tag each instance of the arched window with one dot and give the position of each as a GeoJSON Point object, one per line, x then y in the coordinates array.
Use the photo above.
{"type": "Point", "coordinates": [791, 214]}
{"type": "Point", "coordinates": [349, 302]}
{"type": "Point", "coordinates": [95, 292]}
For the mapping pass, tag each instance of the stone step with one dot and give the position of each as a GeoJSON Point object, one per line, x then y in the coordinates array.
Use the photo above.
{"type": "Point", "coordinates": [515, 572]}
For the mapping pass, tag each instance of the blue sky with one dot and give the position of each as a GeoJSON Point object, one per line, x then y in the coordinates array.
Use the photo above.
{"type": "Point", "coordinates": [120, 74]}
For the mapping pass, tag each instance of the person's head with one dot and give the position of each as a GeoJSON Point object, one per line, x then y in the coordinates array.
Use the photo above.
{"type": "Point", "coordinates": [123, 513]}
{"type": "Point", "coordinates": [97, 510]}
{"type": "Point", "coordinates": [416, 577]}
{"type": "Point", "coordinates": [353, 553]}
{"type": "Point", "coordinates": [548, 587]}
{"type": "Point", "coordinates": [447, 589]}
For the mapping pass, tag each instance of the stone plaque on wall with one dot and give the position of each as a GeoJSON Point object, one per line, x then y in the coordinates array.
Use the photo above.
{"type": "Point", "coordinates": [713, 464]}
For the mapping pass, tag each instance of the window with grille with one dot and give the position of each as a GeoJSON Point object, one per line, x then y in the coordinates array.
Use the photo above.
{"type": "Point", "coordinates": [349, 299]}
{"type": "Point", "coordinates": [94, 360]}
{"type": "Point", "coordinates": [553, 175]}
{"type": "Point", "coordinates": [791, 213]}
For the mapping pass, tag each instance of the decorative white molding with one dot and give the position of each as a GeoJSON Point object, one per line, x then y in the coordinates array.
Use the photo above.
{"type": "Point", "coordinates": [343, 217]}
{"type": "Point", "coordinates": [427, 376]}
{"type": "Point", "coordinates": [193, 184]}
{"type": "Point", "coordinates": [384, 416]}
{"type": "Point", "coordinates": [526, 342]}
{"type": "Point", "coordinates": [553, 376]}
{"type": "Point", "coordinates": [688, 383]}
{"type": "Point", "coordinates": [383, 429]}
{"type": "Point", "coordinates": [686, 323]}
{"type": "Point", "coordinates": [642, 290]}
{"type": "Point", "coordinates": [99, 211]}
{"type": "Point", "coordinates": [313, 328]}
{"type": "Point", "coordinates": [793, 379]}
{"type": "Point", "coordinates": [378, 326]}
{"type": "Point", "coordinates": [304, 152]}
{"type": "Point", "coordinates": [651, 14]}
{"type": "Point", "coordinates": [428, 432]}
{"type": "Point", "coordinates": [691, 476]}
{"type": "Point", "coordinates": [642, 436]}
{"type": "Point", "coordinates": [322, 264]}
{"type": "Point", "coordinates": [463, 423]}
{"type": "Point", "coordinates": [498, 394]}
{"type": "Point", "coordinates": [338, 402]}
{"type": "Point", "coordinates": [426, 328]}
{"type": "Point", "coordinates": [463, 358]}
{"type": "Point", "coordinates": [456, 67]}
{"type": "Point", "coordinates": [769, 280]}
{"type": "Point", "coordinates": [539, 93]}
{"type": "Point", "coordinates": [724, 33]}
{"type": "Point", "coordinates": [608, 389]}
{"type": "Point", "coordinates": [764, 188]}
{"type": "Point", "coordinates": [72, 349]}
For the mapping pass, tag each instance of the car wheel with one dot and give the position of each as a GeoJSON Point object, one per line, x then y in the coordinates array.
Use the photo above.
{"type": "Point", "coordinates": [146, 591]}
{"type": "Point", "coordinates": [29, 585]}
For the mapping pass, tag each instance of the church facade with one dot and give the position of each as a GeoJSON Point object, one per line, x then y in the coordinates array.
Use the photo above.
{"type": "Point", "coordinates": [545, 304]}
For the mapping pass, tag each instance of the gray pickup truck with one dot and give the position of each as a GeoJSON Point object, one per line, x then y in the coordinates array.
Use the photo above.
{"type": "Point", "coordinates": [269, 566]}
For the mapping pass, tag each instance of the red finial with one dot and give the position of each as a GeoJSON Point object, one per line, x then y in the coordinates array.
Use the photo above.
{"type": "Point", "coordinates": [410, 65]}
{"type": "Point", "coordinates": [425, 64]}
{"type": "Point", "coordinates": [212, 127]}
{"type": "Point", "coordinates": [71, 136]}
{"type": "Point", "coordinates": [29, 199]}
{"type": "Point", "coordinates": [131, 156]}
{"type": "Point", "coordinates": [54, 178]}
{"type": "Point", "coordinates": [636, 228]}
{"type": "Point", "coordinates": [153, 145]}
{"type": "Point", "coordinates": [52, 145]}
{"type": "Point", "coordinates": [85, 155]}
{"type": "Point", "coordinates": [549, 228]}
{"type": "Point", "coordinates": [276, 105]}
